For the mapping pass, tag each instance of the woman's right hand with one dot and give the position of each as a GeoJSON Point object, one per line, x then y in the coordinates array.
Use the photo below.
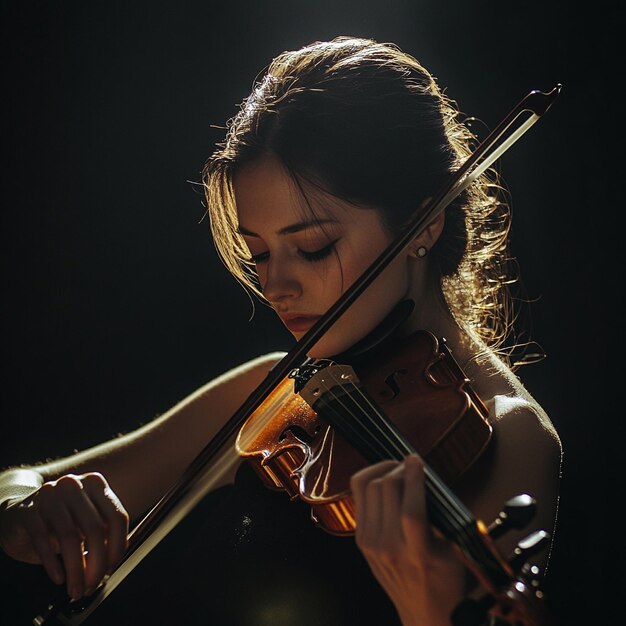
{"type": "Point", "coordinates": [76, 527]}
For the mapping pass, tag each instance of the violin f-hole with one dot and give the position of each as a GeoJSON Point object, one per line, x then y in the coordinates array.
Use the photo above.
{"type": "Point", "coordinates": [392, 383]}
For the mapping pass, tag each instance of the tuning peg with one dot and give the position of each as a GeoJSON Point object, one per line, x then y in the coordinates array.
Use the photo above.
{"type": "Point", "coordinates": [534, 543]}
{"type": "Point", "coordinates": [517, 512]}
{"type": "Point", "coordinates": [533, 575]}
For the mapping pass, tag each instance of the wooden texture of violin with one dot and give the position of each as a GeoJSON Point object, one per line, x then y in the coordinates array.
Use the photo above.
{"type": "Point", "coordinates": [419, 386]}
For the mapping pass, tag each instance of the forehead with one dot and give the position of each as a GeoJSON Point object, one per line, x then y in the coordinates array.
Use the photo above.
{"type": "Point", "coordinates": [265, 192]}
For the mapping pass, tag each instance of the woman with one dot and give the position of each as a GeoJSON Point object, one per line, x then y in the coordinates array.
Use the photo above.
{"type": "Point", "coordinates": [335, 149]}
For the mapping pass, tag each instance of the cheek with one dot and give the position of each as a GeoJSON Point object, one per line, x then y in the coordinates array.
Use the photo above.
{"type": "Point", "coordinates": [328, 280]}
{"type": "Point", "coordinates": [379, 298]}
{"type": "Point", "coordinates": [260, 275]}
{"type": "Point", "coordinates": [366, 313]}
{"type": "Point", "coordinates": [393, 280]}
{"type": "Point", "coordinates": [384, 293]}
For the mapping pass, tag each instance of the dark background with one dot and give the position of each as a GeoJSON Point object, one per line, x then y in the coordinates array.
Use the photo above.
{"type": "Point", "coordinates": [114, 305]}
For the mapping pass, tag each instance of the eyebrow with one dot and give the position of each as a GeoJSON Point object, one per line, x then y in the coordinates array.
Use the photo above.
{"type": "Point", "coordinates": [288, 230]}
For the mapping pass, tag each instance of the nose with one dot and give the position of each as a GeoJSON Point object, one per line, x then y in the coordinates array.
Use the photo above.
{"type": "Point", "coordinates": [280, 281]}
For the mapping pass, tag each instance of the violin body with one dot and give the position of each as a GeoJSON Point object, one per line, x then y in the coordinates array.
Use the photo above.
{"type": "Point", "coordinates": [418, 385]}
{"type": "Point", "coordinates": [324, 422]}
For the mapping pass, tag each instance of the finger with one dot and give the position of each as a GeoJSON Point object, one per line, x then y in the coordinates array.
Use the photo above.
{"type": "Point", "coordinates": [362, 478]}
{"type": "Point", "coordinates": [114, 515]}
{"type": "Point", "coordinates": [415, 523]}
{"type": "Point", "coordinates": [93, 530]}
{"type": "Point", "coordinates": [41, 540]}
{"type": "Point", "coordinates": [358, 485]}
{"type": "Point", "coordinates": [70, 542]}
{"type": "Point", "coordinates": [391, 506]}
{"type": "Point", "coordinates": [371, 521]}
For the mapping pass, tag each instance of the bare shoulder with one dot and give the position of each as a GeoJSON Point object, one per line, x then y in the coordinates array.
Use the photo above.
{"type": "Point", "coordinates": [243, 377]}
{"type": "Point", "coordinates": [523, 457]}
{"type": "Point", "coordinates": [262, 363]}
{"type": "Point", "coordinates": [521, 424]}
{"type": "Point", "coordinates": [209, 406]}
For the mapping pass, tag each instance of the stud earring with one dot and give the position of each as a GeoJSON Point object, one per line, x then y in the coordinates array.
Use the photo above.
{"type": "Point", "coordinates": [420, 253]}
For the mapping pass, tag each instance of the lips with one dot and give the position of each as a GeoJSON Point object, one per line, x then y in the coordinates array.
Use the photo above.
{"type": "Point", "coordinates": [299, 323]}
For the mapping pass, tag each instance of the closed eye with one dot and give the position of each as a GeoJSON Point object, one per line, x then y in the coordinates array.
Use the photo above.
{"type": "Point", "coordinates": [313, 256]}
{"type": "Point", "coordinates": [318, 255]}
{"type": "Point", "coordinates": [259, 258]}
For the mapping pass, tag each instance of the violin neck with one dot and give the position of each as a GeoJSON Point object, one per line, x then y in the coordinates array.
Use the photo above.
{"type": "Point", "coordinates": [376, 438]}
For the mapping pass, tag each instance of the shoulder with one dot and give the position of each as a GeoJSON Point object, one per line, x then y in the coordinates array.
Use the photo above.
{"type": "Point", "coordinates": [523, 457]}
{"type": "Point", "coordinates": [258, 365]}
{"type": "Point", "coordinates": [243, 376]}
{"type": "Point", "coordinates": [522, 426]}
{"type": "Point", "coordinates": [219, 397]}
{"type": "Point", "coordinates": [519, 422]}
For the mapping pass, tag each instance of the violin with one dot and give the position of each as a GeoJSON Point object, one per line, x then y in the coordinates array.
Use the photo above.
{"type": "Point", "coordinates": [405, 397]}
{"type": "Point", "coordinates": [295, 440]}
{"type": "Point", "coordinates": [327, 420]}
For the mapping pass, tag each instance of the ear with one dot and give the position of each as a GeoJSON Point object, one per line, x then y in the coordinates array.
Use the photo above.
{"type": "Point", "coordinates": [428, 237]}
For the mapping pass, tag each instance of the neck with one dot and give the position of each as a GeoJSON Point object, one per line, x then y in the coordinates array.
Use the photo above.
{"type": "Point", "coordinates": [487, 372]}
{"type": "Point", "coordinates": [432, 313]}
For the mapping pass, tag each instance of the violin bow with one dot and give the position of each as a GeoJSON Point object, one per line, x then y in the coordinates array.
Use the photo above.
{"type": "Point", "coordinates": [201, 476]}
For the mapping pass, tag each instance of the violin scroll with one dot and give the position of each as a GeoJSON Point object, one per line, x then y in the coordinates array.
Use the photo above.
{"type": "Point", "coordinates": [521, 602]}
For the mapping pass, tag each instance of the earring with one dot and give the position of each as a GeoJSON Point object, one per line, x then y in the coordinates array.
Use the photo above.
{"type": "Point", "coordinates": [420, 252]}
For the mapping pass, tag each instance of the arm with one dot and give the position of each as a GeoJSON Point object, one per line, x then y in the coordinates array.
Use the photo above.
{"type": "Point", "coordinates": [141, 465]}
{"type": "Point", "coordinates": [90, 496]}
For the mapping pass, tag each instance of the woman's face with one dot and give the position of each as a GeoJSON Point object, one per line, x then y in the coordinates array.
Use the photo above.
{"type": "Point", "coordinates": [304, 263]}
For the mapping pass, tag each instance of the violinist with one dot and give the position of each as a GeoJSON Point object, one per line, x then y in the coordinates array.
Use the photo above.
{"type": "Point", "coordinates": [337, 146]}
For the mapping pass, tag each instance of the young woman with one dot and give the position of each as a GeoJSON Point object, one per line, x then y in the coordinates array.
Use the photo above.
{"type": "Point", "coordinates": [338, 145]}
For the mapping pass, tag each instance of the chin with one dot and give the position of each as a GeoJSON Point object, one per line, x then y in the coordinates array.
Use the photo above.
{"type": "Point", "coordinates": [319, 351]}
{"type": "Point", "coordinates": [340, 338]}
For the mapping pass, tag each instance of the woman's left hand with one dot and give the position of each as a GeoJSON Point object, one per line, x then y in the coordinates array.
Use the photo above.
{"type": "Point", "coordinates": [417, 568]}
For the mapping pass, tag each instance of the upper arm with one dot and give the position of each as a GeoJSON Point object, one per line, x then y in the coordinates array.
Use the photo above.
{"type": "Point", "coordinates": [141, 465]}
{"type": "Point", "coordinates": [524, 457]}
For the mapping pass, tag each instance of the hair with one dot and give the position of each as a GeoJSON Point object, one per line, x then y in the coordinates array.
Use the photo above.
{"type": "Point", "coordinates": [367, 123]}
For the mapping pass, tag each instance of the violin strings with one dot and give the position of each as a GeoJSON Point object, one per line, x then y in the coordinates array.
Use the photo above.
{"type": "Point", "coordinates": [396, 448]}
{"type": "Point", "coordinates": [453, 513]}
{"type": "Point", "coordinates": [375, 438]}
{"type": "Point", "coordinates": [450, 520]}
{"type": "Point", "coordinates": [461, 524]}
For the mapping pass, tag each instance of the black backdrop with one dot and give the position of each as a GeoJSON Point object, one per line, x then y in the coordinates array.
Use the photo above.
{"type": "Point", "coordinates": [114, 305]}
